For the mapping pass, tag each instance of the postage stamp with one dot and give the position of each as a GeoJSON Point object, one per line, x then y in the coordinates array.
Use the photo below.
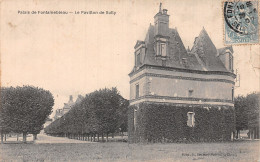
{"type": "Point", "coordinates": [241, 22]}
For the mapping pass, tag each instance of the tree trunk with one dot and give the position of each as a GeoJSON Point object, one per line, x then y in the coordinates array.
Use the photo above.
{"type": "Point", "coordinates": [2, 138]}
{"type": "Point", "coordinates": [102, 137]}
{"type": "Point", "coordinates": [17, 137]}
{"type": "Point", "coordinates": [107, 137]}
{"type": "Point", "coordinates": [112, 135]}
{"type": "Point", "coordinates": [91, 137]}
{"type": "Point", "coordinates": [94, 137]}
{"type": "Point", "coordinates": [257, 133]}
{"type": "Point", "coordinates": [5, 137]}
{"type": "Point", "coordinates": [34, 137]}
{"type": "Point", "coordinates": [98, 137]}
{"type": "Point", "coordinates": [24, 137]}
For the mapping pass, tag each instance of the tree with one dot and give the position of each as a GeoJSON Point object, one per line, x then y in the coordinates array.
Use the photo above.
{"type": "Point", "coordinates": [123, 115]}
{"type": "Point", "coordinates": [247, 113]}
{"type": "Point", "coordinates": [108, 108]}
{"type": "Point", "coordinates": [5, 118]}
{"type": "Point", "coordinates": [253, 106]}
{"type": "Point", "coordinates": [241, 114]}
{"type": "Point", "coordinates": [100, 112]}
{"type": "Point", "coordinates": [26, 108]}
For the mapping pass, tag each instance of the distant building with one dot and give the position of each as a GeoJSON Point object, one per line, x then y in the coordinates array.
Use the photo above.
{"type": "Point", "coordinates": [58, 114]}
{"type": "Point", "coordinates": [166, 73]}
{"type": "Point", "coordinates": [67, 106]}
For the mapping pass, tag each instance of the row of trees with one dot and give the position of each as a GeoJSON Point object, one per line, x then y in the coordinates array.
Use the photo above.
{"type": "Point", "coordinates": [24, 110]}
{"type": "Point", "coordinates": [99, 113]}
{"type": "Point", "coordinates": [247, 110]}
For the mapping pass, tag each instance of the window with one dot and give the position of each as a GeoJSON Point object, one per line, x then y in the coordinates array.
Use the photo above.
{"type": "Point", "coordinates": [190, 92]}
{"type": "Point", "coordinates": [163, 49]}
{"type": "Point", "coordinates": [232, 93]}
{"type": "Point", "coordinates": [230, 62]}
{"type": "Point", "coordinates": [184, 62]}
{"type": "Point", "coordinates": [135, 118]}
{"type": "Point", "coordinates": [136, 90]}
{"type": "Point", "coordinates": [163, 62]}
{"type": "Point", "coordinates": [191, 119]}
{"type": "Point", "coordinates": [138, 59]}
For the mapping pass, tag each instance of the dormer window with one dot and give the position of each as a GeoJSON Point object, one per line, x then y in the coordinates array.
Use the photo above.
{"type": "Point", "coordinates": [161, 49]}
{"type": "Point", "coordinates": [185, 62]}
{"type": "Point", "coordinates": [138, 59]}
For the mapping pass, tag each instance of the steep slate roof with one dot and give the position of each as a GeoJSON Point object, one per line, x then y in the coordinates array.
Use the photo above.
{"type": "Point", "coordinates": [202, 56]}
{"type": "Point", "coordinates": [207, 52]}
{"type": "Point", "coordinates": [176, 48]}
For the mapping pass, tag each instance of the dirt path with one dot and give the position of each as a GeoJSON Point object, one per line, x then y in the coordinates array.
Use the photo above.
{"type": "Point", "coordinates": [43, 138]}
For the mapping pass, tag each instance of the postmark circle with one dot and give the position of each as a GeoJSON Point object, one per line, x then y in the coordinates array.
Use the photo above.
{"type": "Point", "coordinates": [241, 16]}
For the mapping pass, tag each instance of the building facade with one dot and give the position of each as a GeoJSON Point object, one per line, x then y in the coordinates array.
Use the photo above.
{"type": "Point", "coordinates": [167, 73]}
{"type": "Point", "coordinates": [67, 106]}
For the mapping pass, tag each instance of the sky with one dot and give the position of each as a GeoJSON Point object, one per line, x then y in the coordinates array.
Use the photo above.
{"type": "Point", "coordinates": [72, 54]}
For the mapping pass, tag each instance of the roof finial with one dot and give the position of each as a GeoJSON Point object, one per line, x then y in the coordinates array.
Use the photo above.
{"type": "Point", "coordinates": [160, 8]}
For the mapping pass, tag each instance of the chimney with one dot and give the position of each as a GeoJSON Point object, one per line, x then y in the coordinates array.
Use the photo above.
{"type": "Point", "coordinates": [71, 99]}
{"type": "Point", "coordinates": [165, 11]}
{"type": "Point", "coordinates": [161, 22]}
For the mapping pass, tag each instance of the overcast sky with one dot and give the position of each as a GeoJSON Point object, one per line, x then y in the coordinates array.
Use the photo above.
{"type": "Point", "coordinates": [76, 54]}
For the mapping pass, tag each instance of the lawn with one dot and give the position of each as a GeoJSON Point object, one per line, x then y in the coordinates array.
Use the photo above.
{"type": "Point", "coordinates": [119, 151]}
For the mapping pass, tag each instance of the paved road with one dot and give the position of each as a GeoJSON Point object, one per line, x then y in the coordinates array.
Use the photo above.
{"type": "Point", "coordinates": [43, 138]}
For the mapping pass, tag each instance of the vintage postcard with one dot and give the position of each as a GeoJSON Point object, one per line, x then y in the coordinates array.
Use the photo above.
{"type": "Point", "coordinates": [129, 80]}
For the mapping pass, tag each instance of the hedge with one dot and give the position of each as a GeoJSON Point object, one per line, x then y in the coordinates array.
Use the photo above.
{"type": "Point", "coordinates": [168, 123]}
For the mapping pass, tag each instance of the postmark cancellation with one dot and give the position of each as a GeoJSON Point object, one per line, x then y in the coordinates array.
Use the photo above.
{"type": "Point", "coordinates": [241, 22]}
